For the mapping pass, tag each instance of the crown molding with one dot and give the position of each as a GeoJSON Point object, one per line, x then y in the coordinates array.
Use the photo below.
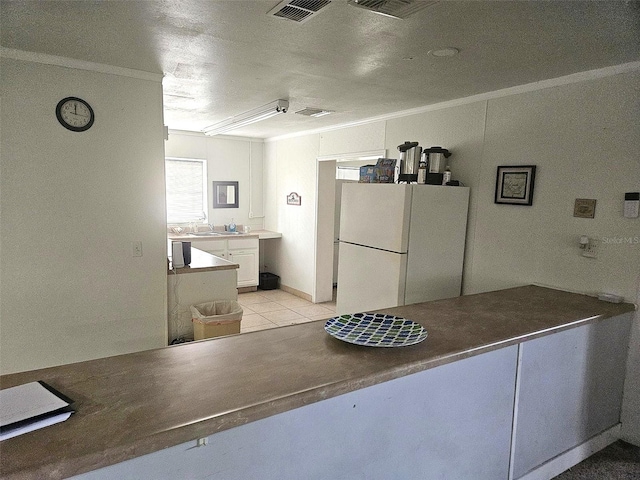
{"type": "Point", "coordinates": [47, 59]}
{"type": "Point", "coordinates": [191, 133]}
{"type": "Point", "coordinates": [505, 92]}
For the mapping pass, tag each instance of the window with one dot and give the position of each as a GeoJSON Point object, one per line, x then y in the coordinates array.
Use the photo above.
{"type": "Point", "coordinates": [186, 181]}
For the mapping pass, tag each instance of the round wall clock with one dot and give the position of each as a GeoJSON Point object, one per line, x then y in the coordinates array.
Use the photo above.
{"type": "Point", "coordinates": [75, 114]}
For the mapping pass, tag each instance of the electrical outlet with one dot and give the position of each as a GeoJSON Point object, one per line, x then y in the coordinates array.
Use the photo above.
{"type": "Point", "coordinates": [137, 249]}
{"type": "Point", "coordinates": [591, 251]}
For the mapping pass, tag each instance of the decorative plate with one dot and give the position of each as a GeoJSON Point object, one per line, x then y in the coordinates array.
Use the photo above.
{"type": "Point", "coordinates": [375, 330]}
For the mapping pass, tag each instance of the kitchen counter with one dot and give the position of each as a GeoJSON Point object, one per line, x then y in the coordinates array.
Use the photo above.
{"type": "Point", "coordinates": [134, 404]}
{"type": "Point", "coordinates": [203, 262]}
{"type": "Point", "coordinates": [260, 234]}
{"type": "Point", "coordinates": [267, 234]}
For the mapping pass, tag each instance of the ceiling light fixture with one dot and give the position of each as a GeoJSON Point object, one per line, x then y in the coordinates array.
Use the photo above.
{"type": "Point", "coordinates": [252, 116]}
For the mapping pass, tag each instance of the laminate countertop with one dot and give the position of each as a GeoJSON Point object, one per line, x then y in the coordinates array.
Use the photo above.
{"type": "Point", "coordinates": [203, 262]}
{"type": "Point", "coordinates": [218, 235]}
{"type": "Point", "coordinates": [134, 404]}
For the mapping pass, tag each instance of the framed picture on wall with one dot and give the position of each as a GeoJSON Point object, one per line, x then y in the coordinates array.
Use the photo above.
{"type": "Point", "coordinates": [514, 184]}
{"type": "Point", "coordinates": [225, 194]}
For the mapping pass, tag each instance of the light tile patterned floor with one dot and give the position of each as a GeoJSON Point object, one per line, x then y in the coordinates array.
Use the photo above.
{"type": "Point", "coordinates": [276, 308]}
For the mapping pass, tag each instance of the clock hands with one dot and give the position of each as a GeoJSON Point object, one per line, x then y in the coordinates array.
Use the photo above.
{"type": "Point", "coordinates": [75, 111]}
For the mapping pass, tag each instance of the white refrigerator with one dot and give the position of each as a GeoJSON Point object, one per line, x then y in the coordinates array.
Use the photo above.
{"type": "Point", "coordinates": [400, 244]}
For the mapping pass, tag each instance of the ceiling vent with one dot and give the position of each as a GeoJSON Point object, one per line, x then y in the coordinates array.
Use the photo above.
{"type": "Point", "coordinates": [314, 112]}
{"type": "Point", "coordinates": [392, 8]}
{"type": "Point", "coordinates": [298, 10]}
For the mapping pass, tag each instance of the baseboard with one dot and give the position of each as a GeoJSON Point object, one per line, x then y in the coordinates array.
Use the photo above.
{"type": "Point", "coordinates": [572, 457]}
{"type": "Point", "coordinates": [295, 292]}
{"type": "Point", "coordinates": [247, 289]}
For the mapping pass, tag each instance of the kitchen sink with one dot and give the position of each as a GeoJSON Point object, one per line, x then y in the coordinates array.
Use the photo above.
{"type": "Point", "coordinates": [215, 234]}
{"type": "Point", "coordinates": [207, 234]}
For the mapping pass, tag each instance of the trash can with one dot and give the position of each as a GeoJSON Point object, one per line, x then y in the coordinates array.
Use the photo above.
{"type": "Point", "coordinates": [215, 319]}
{"type": "Point", "coordinates": [268, 281]}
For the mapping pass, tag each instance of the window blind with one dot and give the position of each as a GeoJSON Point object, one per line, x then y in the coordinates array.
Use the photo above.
{"type": "Point", "coordinates": [186, 199]}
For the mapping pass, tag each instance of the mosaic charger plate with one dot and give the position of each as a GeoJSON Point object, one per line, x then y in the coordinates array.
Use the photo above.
{"type": "Point", "coordinates": [375, 330]}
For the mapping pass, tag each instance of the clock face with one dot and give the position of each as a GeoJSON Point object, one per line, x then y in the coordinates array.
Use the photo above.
{"type": "Point", "coordinates": [75, 114]}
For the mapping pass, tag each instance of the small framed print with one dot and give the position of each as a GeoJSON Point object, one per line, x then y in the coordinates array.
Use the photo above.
{"type": "Point", "coordinates": [294, 199]}
{"type": "Point", "coordinates": [584, 208]}
{"type": "Point", "coordinates": [514, 184]}
{"type": "Point", "coordinates": [225, 194]}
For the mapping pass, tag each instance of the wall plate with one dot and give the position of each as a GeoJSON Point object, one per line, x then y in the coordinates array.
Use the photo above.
{"type": "Point", "coordinates": [591, 251]}
{"type": "Point", "coordinates": [584, 208]}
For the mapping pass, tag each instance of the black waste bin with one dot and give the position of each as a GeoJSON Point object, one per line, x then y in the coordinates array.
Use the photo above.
{"type": "Point", "coordinates": [268, 281]}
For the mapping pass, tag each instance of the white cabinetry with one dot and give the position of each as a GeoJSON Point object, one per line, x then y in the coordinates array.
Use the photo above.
{"type": "Point", "coordinates": [243, 251]}
{"type": "Point", "coordinates": [570, 389]}
{"type": "Point", "coordinates": [451, 422]}
{"type": "Point", "coordinates": [216, 247]}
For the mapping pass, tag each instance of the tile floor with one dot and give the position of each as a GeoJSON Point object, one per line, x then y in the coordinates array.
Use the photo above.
{"type": "Point", "coordinates": [276, 308]}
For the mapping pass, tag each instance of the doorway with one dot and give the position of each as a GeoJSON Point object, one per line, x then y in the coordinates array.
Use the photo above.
{"type": "Point", "coordinates": [329, 184]}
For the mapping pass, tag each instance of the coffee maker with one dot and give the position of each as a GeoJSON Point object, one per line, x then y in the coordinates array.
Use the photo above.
{"type": "Point", "coordinates": [435, 158]}
{"type": "Point", "coordinates": [409, 162]}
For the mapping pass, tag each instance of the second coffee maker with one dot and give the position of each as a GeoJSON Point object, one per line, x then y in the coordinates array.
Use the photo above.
{"type": "Point", "coordinates": [436, 160]}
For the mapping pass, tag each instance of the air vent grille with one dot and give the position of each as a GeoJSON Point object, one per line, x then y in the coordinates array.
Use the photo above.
{"type": "Point", "coordinates": [313, 5]}
{"type": "Point", "coordinates": [393, 8]}
{"type": "Point", "coordinates": [314, 112]}
{"type": "Point", "coordinates": [298, 10]}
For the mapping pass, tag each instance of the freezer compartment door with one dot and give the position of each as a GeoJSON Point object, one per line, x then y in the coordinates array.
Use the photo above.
{"type": "Point", "coordinates": [376, 215]}
{"type": "Point", "coordinates": [369, 279]}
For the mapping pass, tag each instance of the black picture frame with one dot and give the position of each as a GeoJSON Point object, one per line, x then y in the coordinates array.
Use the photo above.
{"type": "Point", "coordinates": [225, 195]}
{"type": "Point", "coordinates": [514, 184]}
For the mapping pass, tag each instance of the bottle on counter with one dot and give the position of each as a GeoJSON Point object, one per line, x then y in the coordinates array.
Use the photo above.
{"type": "Point", "coordinates": [446, 176]}
{"type": "Point", "coordinates": [232, 226]}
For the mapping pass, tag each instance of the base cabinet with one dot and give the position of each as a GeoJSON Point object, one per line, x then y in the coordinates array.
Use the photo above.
{"type": "Point", "coordinates": [248, 266]}
{"type": "Point", "coordinates": [450, 422]}
{"type": "Point", "coordinates": [243, 251]}
{"type": "Point", "coordinates": [498, 415]}
{"type": "Point", "coordinates": [570, 389]}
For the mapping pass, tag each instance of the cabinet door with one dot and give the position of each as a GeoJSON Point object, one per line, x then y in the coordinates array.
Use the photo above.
{"type": "Point", "coordinates": [570, 389]}
{"type": "Point", "coordinates": [248, 266]}
{"type": "Point", "coordinates": [216, 247]}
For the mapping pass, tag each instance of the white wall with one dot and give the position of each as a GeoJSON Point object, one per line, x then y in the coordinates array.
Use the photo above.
{"type": "Point", "coordinates": [584, 139]}
{"type": "Point", "coordinates": [290, 166]}
{"type": "Point", "coordinates": [71, 206]}
{"type": "Point", "coordinates": [228, 159]}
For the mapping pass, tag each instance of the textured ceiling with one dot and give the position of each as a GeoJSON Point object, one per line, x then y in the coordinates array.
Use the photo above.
{"type": "Point", "coordinates": [221, 58]}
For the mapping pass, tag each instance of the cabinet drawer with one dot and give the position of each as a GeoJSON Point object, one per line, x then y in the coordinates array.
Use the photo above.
{"type": "Point", "coordinates": [242, 243]}
{"type": "Point", "coordinates": [210, 245]}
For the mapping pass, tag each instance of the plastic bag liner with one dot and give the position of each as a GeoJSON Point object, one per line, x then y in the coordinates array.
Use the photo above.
{"type": "Point", "coordinates": [216, 313]}
{"type": "Point", "coordinates": [215, 319]}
